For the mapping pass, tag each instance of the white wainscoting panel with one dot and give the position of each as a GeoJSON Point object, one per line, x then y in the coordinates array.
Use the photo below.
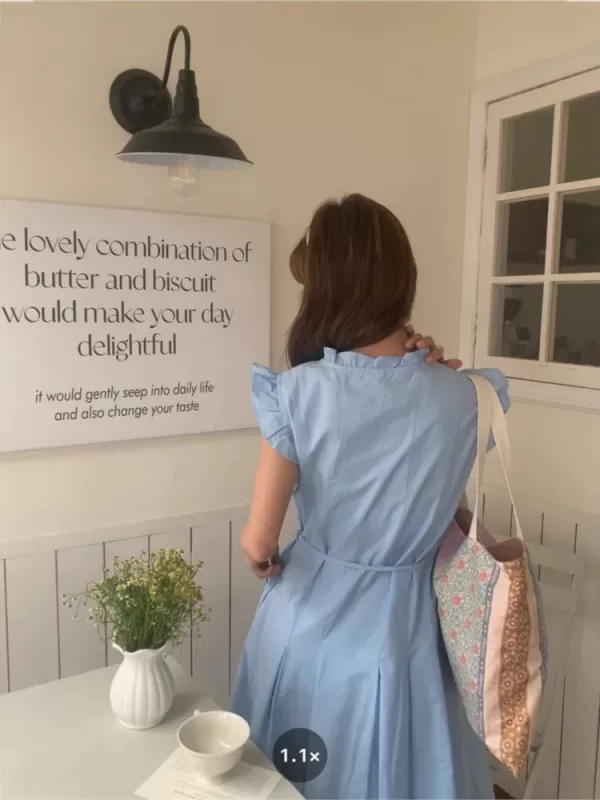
{"type": "Point", "coordinates": [531, 517]}
{"type": "Point", "coordinates": [81, 646]}
{"type": "Point", "coordinates": [558, 532]}
{"type": "Point", "coordinates": [32, 615]}
{"type": "Point", "coordinates": [4, 679]}
{"type": "Point", "coordinates": [580, 751]}
{"type": "Point", "coordinates": [211, 659]}
{"type": "Point", "coordinates": [497, 515]}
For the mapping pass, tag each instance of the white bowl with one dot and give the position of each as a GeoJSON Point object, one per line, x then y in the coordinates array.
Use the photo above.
{"type": "Point", "coordinates": [213, 741]}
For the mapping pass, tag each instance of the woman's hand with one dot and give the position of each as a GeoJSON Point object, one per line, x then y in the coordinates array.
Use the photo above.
{"type": "Point", "coordinates": [417, 341]}
{"type": "Point", "coordinates": [261, 553]}
{"type": "Point", "coordinates": [266, 569]}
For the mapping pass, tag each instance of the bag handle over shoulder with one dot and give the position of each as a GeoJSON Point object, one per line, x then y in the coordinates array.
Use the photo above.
{"type": "Point", "coordinates": [490, 417]}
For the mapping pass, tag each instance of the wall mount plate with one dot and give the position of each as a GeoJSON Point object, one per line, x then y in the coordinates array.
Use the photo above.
{"type": "Point", "coordinates": [138, 100]}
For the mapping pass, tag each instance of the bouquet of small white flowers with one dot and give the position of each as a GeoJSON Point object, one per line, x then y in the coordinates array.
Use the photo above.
{"type": "Point", "coordinates": [143, 603]}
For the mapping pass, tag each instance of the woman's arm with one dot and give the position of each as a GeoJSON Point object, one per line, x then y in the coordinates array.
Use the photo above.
{"type": "Point", "coordinates": [276, 478]}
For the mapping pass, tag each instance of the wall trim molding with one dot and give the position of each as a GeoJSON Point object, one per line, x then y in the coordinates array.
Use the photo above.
{"type": "Point", "coordinates": [109, 533]}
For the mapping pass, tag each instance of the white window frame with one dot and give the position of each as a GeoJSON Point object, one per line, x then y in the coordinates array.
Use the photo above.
{"type": "Point", "coordinates": [511, 86]}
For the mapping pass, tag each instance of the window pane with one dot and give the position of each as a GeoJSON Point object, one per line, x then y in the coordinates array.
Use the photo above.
{"type": "Point", "coordinates": [582, 152]}
{"type": "Point", "coordinates": [580, 233]}
{"type": "Point", "coordinates": [517, 321]}
{"type": "Point", "coordinates": [522, 237]}
{"type": "Point", "coordinates": [527, 150]}
{"type": "Point", "coordinates": [577, 324]}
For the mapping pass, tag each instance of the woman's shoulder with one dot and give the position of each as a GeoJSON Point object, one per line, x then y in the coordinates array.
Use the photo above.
{"type": "Point", "coordinates": [498, 380]}
{"type": "Point", "coordinates": [458, 382]}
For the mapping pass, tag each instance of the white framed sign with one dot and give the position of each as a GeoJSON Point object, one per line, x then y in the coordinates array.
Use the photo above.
{"type": "Point", "coordinates": [118, 324]}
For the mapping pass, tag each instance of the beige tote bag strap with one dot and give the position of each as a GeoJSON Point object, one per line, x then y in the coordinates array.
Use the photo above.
{"type": "Point", "coordinates": [490, 417]}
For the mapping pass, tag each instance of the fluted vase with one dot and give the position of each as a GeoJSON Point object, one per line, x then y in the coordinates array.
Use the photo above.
{"type": "Point", "coordinates": [142, 690]}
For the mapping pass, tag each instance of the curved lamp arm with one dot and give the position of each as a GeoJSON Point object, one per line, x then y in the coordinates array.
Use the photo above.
{"type": "Point", "coordinates": [187, 53]}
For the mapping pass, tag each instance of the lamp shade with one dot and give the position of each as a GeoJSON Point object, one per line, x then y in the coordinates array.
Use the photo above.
{"type": "Point", "coordinates": [176, 138]}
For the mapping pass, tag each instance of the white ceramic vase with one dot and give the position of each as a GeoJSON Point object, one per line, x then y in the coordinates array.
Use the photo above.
{"type": "Point", "coordinates": [142, 690]}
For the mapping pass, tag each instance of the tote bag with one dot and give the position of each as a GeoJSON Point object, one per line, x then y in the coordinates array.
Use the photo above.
{"type": "Point", "coordinates": [490, 614]}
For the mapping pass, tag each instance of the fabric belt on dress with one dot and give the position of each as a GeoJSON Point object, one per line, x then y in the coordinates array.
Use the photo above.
{"type": "Point", "coordinates": [417, 565]}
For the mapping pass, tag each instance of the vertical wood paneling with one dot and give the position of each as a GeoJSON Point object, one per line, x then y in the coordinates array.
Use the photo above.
{"type": "Point", "coordinates": [547, 786]}
{"type": "Point", "coordinates": [123, 548]}
{"type": "Point", "coordinates": [246, 590]}
{"type": "Point", "coordinates": [497, 515]}
{"type": "Point", "coordinates": [31, 603]}
{"type": "Point", "coordinates": [211, 543]}
{"type": "Point", "coordinates": [177, 540]}
{"type": "Point", "coordinates": [558, 532]}
{"type": "Point", "coordinates": [470, 492]}
{"type": "Point", "coordinates": [81, 646]}
{"type": "Point", "coordinates": [580, 734]}
{"type": "Point", "coordinates": [4, 680]}
{"type": "Point", "coordinates": [531, 518]}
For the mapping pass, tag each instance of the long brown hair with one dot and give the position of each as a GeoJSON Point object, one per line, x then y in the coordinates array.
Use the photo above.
{"type": "Point", "coordinates": [359, 276]}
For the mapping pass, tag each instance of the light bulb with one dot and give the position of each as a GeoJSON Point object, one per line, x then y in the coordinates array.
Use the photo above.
{"type": "Point", "coordinates": [183, 177]}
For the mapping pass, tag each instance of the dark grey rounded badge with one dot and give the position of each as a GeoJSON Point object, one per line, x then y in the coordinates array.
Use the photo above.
{"type": "Point", "coordinates": [300, 755]}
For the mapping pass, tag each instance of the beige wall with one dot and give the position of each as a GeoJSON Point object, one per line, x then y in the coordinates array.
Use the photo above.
{"type": "Point", "coordinates": [557, 452]}
{"type": "Point", "coordinates": [515, 35]}
{"type": "Point", "coordinates": [325, 98]}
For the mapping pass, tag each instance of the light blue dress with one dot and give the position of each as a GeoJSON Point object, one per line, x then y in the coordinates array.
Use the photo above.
{"type": "Point", "coordinates": [346, 642]}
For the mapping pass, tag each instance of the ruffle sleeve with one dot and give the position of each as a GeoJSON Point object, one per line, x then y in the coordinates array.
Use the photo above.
{"type": "Point", "coordinates": [270, 414]}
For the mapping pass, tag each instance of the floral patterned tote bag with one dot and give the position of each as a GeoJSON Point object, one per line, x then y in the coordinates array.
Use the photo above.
{"type": "Point", "coordinates": [490, 613]}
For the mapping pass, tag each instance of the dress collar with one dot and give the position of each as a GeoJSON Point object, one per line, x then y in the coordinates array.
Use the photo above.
{"type": "Point", "coordinates": [350, 358]}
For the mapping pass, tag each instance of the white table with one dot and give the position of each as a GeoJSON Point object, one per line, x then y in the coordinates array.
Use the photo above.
{"type": "Point", "coordinates": [60, 741]}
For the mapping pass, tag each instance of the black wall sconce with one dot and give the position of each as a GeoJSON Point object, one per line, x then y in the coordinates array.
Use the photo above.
{"type": "Point", "coordinates": [170, 133]}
